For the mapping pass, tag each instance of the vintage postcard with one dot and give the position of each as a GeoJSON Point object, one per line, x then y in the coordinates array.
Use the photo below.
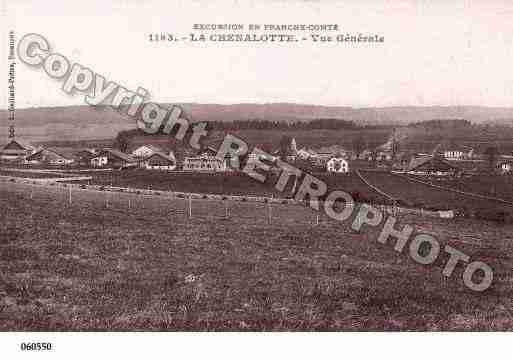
{"type": "Point", "coordinates": [276, 166]}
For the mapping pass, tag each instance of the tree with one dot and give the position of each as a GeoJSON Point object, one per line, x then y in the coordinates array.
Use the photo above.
{"type": "Point", "coordinates": [492, 154]}
{"type": "Point", "coordinates": [358, 145]}
{"type": "Point", "coordinates": [121, 142]}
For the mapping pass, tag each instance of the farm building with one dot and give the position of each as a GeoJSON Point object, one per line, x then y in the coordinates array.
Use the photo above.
{"type": "Point", "coordinates": [337, 165]}
{"type": "Point", "coordinates": [431, 165]}
{"type": "Point", "coordinates": [159, 161]}
{"type": "Point", "coordinates": [48, 156]}
{"type": "Point", "coordinates": [16, 150]}
{"type": "Point", "coordinates": [112, 158]}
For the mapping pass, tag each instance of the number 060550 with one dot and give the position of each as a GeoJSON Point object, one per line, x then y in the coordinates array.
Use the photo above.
{"type": "Point", "coordinates": [35, 346]}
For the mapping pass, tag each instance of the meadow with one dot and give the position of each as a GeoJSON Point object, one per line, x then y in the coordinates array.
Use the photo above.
{"type": "Point", "coordinates": [121, 261]}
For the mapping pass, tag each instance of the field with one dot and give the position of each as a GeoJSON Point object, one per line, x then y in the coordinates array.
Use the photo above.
{"type": "Point", "coordinates": [422, 196]}
{"type": "Point", "coordinates": [97, 263]}
{"type": "Point", "coordinates": [488, 185]}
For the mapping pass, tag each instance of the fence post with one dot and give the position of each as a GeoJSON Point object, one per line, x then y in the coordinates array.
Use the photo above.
{"type": "Point", "coordinates": [190, 205]}
{"type": "Point", "coordinates": [69, 197]}
{"type": "Point", "coordinates": [129, 206]}
{"type": "Point", "coordinates": [226, 212]}
{"type": "Point", "coordinates": [317, 219]}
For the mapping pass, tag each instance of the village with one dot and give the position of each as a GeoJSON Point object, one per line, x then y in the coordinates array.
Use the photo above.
{"type": "Point", "coordinates": [442, 161]}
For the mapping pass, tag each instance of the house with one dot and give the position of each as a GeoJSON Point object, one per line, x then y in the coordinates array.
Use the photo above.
{"type": "Point", "coordinates": [304, 154]}
{"type": "Point", "coordinates": [159, 161]}
{"type": "Point", "coordinates": [16, 150]}
{"type": "Point", "coordinates": [384, 156]}
{"type": "Point", "coordinates": [506, 166]}
{"type": "Point", "coordinates": [84, 157]}
{"type": "Point", "coordinates": [337, 165]}
{"type": "Point", "coordinates": [321, 159]}
{"type": "Point", "coordinates": [457, 153]}
{"type": "Point", "coordinates": [261, 157]}
{"type": "Point", "coordinates": [112, 158]}
{"type": "Point", "coordinates": [144, 151]}
{"type": "Point", "coordinates": [48, 156]}
{"type": "Point", "coordinates": [432, 166]}
{"type": "Point", "coordinates": [204, 162]}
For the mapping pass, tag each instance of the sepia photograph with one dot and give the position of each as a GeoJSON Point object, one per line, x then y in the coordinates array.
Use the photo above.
{"type": "Point", "coordinates": [208, 171]}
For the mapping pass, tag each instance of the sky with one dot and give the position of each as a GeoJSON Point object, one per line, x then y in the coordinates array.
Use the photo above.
{"type": "Point", "coordinates": [435, 52]}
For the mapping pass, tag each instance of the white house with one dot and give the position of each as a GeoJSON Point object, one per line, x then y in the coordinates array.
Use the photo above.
{"type": "Point", "coordinates": [506, 166]}
{"type": "Point", "coordinates": [304, 154]}
{"type": "Point", "coordinates": [144, 151]}
{"type": "Point", "coordinates": [337, 165]}
{"type": "Point", "coordinates": [112, 158]}
{"type": "Point", "coordinates": [457, 153]}
{"type": "Point", "coordinates": [204, 162]}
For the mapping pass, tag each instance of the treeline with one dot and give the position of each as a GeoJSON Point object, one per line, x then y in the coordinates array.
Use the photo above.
{"type": "Point", "coordinates": [258, 124]}
{"type": "Point", "coordinates": [442, 123]}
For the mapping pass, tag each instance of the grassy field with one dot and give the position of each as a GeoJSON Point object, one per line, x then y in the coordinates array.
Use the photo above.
{"type": "Point", "coordinates": [82, 266]}
{"type": "Point", "coordinates": [488, 185]}
{"type": "Point", "coordinates": [420, 195]}
{"type": "Point", "coordinates": [233, 184]}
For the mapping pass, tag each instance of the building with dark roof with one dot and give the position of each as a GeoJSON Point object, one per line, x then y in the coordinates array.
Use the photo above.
{"type": "Point", "coordinates": [48, 156]}
{"type": "Point", "coordinates": [159, 161]}
{"type": "Point", "coordinates": [432, 165]}
{"type": "Point", "coordinates": [16, 150]}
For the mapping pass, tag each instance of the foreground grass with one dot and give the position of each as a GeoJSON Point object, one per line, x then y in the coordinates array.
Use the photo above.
{"type": "Point", "coordinates": [84, 267]}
